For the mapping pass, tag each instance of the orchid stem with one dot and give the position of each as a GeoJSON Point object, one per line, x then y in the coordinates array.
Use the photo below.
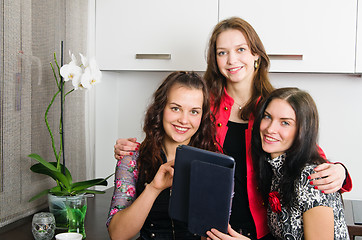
{"type": "Point", "coordinates": [55, 76]}
{"type": "Point", "coordinates": [49, 130]}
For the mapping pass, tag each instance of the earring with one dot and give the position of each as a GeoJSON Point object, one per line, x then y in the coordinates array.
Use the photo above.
{"type": "Point", "coordinates": [256, 64]}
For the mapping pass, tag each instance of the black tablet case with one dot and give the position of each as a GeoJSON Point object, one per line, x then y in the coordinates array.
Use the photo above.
{"type": "Point", "coordinates": [210, 197]}
{"type": "Point", "coordinates": [202, 189]}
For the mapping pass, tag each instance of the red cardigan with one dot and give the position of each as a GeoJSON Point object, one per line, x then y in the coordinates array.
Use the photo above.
{"type": "Point", "coordinates": [257, 206]}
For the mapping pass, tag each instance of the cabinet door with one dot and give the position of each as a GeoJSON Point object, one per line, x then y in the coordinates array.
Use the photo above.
{"type": "Point", "coordinates": [301, 36]}
{"type": "Point", "coordinates": [359, 40]}
{"type": "Point", "coordinates": [153, 34]}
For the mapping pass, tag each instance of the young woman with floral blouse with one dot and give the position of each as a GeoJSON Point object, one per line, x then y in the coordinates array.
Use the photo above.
{"type": "Point", "coordinates": [179, 114]}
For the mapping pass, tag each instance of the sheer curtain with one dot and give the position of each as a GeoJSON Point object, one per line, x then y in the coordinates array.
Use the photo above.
{"type": "Point", "coordinates": [31, 32]}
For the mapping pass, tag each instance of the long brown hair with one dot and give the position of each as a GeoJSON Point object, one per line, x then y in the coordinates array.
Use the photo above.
{"type": "Point", "coordinates": [304, 149]}
{"type": "Point", "coordinates": [216, 82]}
{"type": "Point", "coordinates": [149, 158]}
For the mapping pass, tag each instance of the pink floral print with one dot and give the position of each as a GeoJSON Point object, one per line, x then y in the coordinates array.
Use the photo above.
{"type": "Point", "coordinates": [125, 185]}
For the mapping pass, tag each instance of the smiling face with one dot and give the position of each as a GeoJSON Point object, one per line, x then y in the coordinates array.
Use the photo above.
{"type": "Point", "coordinates": [278, 127]}
{"type": "Point", "coordinates": [234, 57]}
{"type": "Point", "coordinates": [182, 114]}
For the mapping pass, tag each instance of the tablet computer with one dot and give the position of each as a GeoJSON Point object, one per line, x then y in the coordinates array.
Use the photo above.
{"type": "Point", "coordinates": [198, 173]}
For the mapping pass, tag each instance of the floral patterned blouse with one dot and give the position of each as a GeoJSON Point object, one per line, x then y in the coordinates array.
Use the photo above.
{"type": "Point", "coordinates": [288, 224]}
{"type": "Point", "coordinates": [124, 185]}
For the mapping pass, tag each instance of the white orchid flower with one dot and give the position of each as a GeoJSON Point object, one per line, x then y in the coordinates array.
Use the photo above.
{"type": "Point", "coordinates": [86, 79]}
{"type": "Point", "coordinates": [74, 59]}
{"type": "Point", "coordinates": [84, 76]}
{"type": "Point", "coordinates": [77, 83]}
{"type": "Point", "coordinates": [96, 72]}
{"type": "Point", "coordinates": [91, 75]}
{"type": "Point", "coordinates": [71, 72]}
{"type": "Point", "coordinates": [84, 60]}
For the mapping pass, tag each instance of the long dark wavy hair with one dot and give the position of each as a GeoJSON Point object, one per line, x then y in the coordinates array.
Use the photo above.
{"type": "Point", "coordinates": [216, 82]}
{"type": "Point", "coordinates": [149, 159]}
{"type": "Point", "coordinates": [304, 149]}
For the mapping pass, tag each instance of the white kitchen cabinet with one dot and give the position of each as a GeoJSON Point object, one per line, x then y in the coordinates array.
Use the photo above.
{"type": "Point", "coordinates": [154, 35]}
{"type": "Point", "coordinates": [359, 40]}
{"type": "Point", "coordinates": [302, 36]}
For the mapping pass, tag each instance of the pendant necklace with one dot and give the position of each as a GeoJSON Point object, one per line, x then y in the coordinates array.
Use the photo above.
{"type": "Point", "coordinates": [240, 107]}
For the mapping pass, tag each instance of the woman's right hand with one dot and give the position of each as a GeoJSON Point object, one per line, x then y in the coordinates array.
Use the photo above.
{"type": "Point", "coordinates": [124, 147]}
{"type": "Point", "coordinates": [217, 235]}
{"type": "Point", "coordinates": [164, 176]}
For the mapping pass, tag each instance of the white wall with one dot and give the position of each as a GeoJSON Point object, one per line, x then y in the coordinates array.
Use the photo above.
{"type": "Point", "coordinates": [122, 98]}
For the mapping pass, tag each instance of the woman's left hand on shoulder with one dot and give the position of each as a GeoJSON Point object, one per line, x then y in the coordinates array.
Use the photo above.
{"type": "Point", "coordinates": [329, 177]}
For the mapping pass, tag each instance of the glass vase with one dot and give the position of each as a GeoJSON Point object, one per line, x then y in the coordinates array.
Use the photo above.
{"type": "Point", "coordinates": [76, 210]}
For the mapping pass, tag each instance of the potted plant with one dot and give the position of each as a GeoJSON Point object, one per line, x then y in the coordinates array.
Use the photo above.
{"type": "Point", "coordinates": [85, 76]}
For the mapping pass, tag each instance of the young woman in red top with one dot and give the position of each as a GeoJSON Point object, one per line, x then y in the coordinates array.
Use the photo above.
{"type": "Point", "coordinates": [237, 77]}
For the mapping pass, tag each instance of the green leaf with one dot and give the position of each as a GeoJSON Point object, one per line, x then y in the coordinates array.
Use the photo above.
{"type": "Point", "coordinates": [56, 175]}
{"type": "Point", "coordinates": [50, 170]}
{"type": "Point", "coordinates": [92, 191]}
{"type": "Point", "coordinates": [41, 169]}
{"type": "Point", "coordinates": [65, 185]}
{"type": "Point", "coordinates": [79, 186]}
{"type": "Point", "coordinates": [55, 189]}
{"type": "Point", "coordinates": [42, 161]}
{"type": "Point", "coordinates": [61, 193]}
{"type": "Point", "coordinates": [67, 172]}
{"type": "Point", "coordinates": [58, 191]}
{"type": "Point", "coordinates": [42, 193]}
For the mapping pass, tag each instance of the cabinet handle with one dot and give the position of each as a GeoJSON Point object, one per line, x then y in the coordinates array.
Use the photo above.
{"type": "Point", "coordinates": [285, 56]}
{"type": "Point", "coordinates": [153, 56]}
